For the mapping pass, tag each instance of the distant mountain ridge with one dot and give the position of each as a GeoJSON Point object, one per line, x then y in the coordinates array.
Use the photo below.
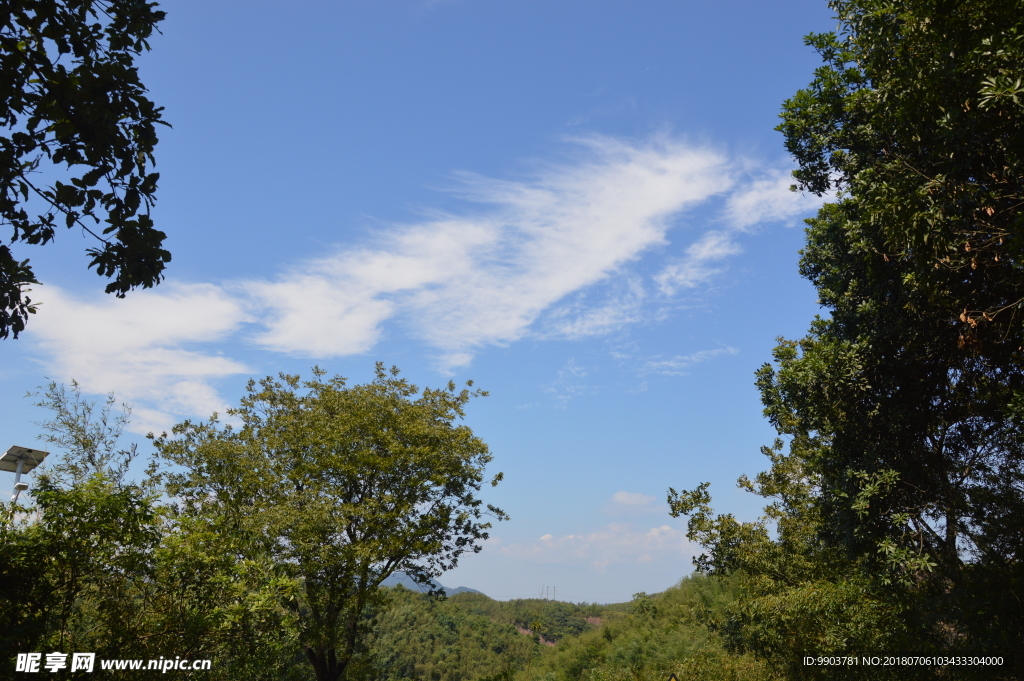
{"type": "Point", "coordinates": [397, 578]}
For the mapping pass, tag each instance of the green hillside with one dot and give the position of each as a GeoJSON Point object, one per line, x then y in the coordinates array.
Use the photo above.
{"type": "Point", "coordinates": [470, 637]}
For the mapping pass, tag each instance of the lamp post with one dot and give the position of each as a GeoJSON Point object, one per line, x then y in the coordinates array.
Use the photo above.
{"type": "Point", "coordinates": [20, 460]}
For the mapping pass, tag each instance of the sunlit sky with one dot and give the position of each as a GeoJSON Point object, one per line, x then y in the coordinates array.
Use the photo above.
{"type": "Point", "coordinates": [582, 206]}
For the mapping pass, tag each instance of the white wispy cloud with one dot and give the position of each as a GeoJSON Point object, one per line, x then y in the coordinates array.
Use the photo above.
{"type": "Point", "coordinates": [570, 383]}
{"type": "Point", "coordinates": [631, 503]}
{"type": "Point", "coordinates": [699, 264]}
{"type": "Point", "coordinates": [461, 282]}
{"type": "Point", "coordinates": [677, 365]}
{"type": "Point", "coordinates": [584, 317]}
{"type": "Point", "coordinates": [551, 255]}
{"type": "Point", "coordinates": [767, 198]}
{"type": "Point", "coordinates": [764, 196]}
{"type": "Point", "coordinates": [140, 347]}
{"type": "Point", "coordinates": [615, 543]}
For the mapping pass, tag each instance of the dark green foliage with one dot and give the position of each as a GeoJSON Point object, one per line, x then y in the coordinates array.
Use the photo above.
{"type": "Point", "coordinates": [799, 595]}
{"type": "Point", "coordinates": [909, 442]}
{"type": "Point", "coordinates": [911, 389]}
{"type": "Point", "coordinates": [73, 108]}
{"type": "Point", "coordinates": [898, 479]}
{"type": "Point", "coordinates": [99, 538]}
{"type": "Point", "coordinates": [96, 566]}
{"type": "Point", "coordinates": [92, 557]}
{"type": "Point", "coordinates": [472, 637]}
{"type": "Point", "coordinates": [27, 600]}
{"type": "Point", "coordinates": [918, 114]}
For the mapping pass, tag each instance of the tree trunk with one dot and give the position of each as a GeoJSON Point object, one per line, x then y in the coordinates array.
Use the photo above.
{"type": "Point", "coordinates": [325, 664]}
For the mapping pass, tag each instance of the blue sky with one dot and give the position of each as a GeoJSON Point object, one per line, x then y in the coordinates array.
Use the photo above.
{"type": "Point", "coordinates": [582, 206]}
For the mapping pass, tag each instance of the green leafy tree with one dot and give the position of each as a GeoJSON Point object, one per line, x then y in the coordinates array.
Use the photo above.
{"type": "Point", "coordinates": [917, 115]}
{"type": "Point", "coordinates": [799, 595]}
{"type": "Point", "coordinates": [94, 565]}
{"type": "Point", "coordinates": [335, 488]}
{"type": "Point", "coordinates": [917, 443]}
{"type": "Point", "coordinates": [205, 601]}
{"type": "Point", "coordinates": [900, 500]}
{"type": "Point", "coordinates": [77, 146]}
{"type": "Point", "coordinates": [86, 436]}
{"type": "Point", "coordinates": [81, 555]}
{"type": "Point", "coordinates": [913, 385]}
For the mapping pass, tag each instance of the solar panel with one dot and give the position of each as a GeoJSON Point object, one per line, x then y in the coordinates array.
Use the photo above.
{"type": "Point", "coordinates": [30, 458]}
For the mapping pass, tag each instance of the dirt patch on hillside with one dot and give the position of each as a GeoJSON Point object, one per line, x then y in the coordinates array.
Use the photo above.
{"type": "Point", "coordinates": [526, 632]}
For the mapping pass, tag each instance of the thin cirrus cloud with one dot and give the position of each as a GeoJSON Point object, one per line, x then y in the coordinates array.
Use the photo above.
{"type": "Point", "coordinates": [462, 282]}
{"type": "Point", "coordinates": [679, 364]}
{"type": "Point", "coordinates": [768, 198]}
{"type": "Point", "coordinates": [703, 260]}
{"type": "Point", "coordinates": [519, 260]}
{"type": "Point", "coordinates": [632, 503]}
{"type": "Point", "coordinates": [764, 198]}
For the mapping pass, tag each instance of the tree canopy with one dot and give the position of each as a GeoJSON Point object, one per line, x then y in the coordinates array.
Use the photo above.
{"type": "Point", "coordinates": [911, 389]}
{"type": "Point", "coordinates": [78, 140]}
{"type": "Point", "coordinates": [917, 115]}
{"type": "Point", "coordinates": [264, 545]}
{"type": "Point", "coordinates": [335, 488]}
{"type": "Point", "coordinates": [898, 479]}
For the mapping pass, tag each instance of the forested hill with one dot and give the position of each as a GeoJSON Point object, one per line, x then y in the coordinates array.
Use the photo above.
{"type": "Point", "coordinates": [470, 637]}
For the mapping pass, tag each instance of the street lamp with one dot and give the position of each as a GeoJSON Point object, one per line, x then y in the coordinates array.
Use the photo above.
{"type": "Point", "coordinates": [20, 460]}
